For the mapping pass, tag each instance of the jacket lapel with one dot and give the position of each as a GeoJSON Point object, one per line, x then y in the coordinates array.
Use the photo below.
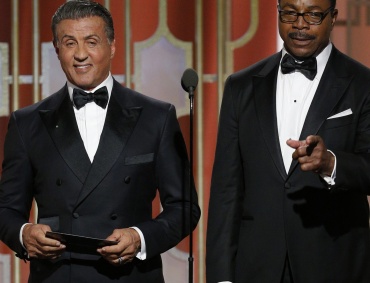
{"type": "Point", "coordinates": [119, 124]}
{"type": "Point", "coordinates": [331, 89]}
{"type": "Point", "coordinates": [264, 85]}
{"type": "Point", "coordinates": [61, 124]}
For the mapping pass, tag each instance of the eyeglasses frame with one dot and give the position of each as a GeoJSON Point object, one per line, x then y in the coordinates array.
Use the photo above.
{"type": "Point", "coordinates": [322, 14]}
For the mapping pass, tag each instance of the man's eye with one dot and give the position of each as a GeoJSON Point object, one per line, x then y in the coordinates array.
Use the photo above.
{"type": "Point", "coordinates": [91, 43]}
{"type": "Point", "coordinates": [70, 43]}
{"type": "Point", "coordinates": [290, 13]}
{"type": "Point", "coordinates": [314, 15]}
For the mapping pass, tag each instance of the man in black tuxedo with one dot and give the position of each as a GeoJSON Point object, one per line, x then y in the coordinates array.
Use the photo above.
{"type": "Point", "coordinates": [291, 174]}
{"type": "Point", "coordinates": [93, 161]}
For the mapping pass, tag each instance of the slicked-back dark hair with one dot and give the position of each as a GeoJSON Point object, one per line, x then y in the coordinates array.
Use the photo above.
{"type": "Point", "coordinates": [79, 9]}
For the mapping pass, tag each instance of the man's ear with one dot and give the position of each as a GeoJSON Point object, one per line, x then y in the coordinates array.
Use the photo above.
{"type": "Point", "coordinates": [112, 48]}
{"type": "Point", "coordinates": [334, 17]}
{"type": "Point", "coordinates": [56, 48]}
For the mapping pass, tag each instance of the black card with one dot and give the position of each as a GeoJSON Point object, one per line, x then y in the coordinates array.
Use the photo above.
{"type": "Point", "coordinates": [80, 244]}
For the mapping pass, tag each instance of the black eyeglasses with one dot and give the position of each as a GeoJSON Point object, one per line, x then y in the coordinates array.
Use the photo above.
{"type": "Point", "coordinates": [312, 18]}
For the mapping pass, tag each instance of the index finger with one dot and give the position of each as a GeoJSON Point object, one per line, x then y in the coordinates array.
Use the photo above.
{"type": "Point", "coordinates": [313, 140]}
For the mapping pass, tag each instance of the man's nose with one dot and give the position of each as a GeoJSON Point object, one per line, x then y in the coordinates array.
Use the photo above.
{"type": "Point", "coordinates": [301, 23]}
{"type": "Point", "coordinates": [80, 53]}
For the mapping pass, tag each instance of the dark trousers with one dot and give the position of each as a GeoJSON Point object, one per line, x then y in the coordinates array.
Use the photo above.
{"type": "Point", "coordinates": [287, 273]}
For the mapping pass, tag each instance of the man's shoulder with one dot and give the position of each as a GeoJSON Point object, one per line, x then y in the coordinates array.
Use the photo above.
{"type": "Point", "coordinates": [347, 64]}
{"type": "Point", "coordinates": [260, 67]}
{"type": "Point", "coordinates": [133, 98]}
{"type": "Point", "coordinates": [46, 103]}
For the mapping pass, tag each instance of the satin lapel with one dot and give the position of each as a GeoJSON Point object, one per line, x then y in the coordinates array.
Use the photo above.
{"type": "Point", "coordinates": [264, 85]}
{"type": "Point", "coordinates": [331, 89]}
{"type": "Point", "coordinates": [63, 130]}
{"type": "Point", "coordinates": [119, 124]}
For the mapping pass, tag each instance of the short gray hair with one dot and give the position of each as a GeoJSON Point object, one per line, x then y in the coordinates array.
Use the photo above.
{"type": "Point", "coordinates": [79, 9]}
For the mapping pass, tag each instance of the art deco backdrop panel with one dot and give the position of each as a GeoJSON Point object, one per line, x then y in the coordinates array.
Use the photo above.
{"type": "Point", "coordinates": [5, 37]}
{"type": "Point", "coordinates": [351, 33]}
{"type": "Point", "coordinates": [156, 40]}
{"type": "Point", "coordinates": [358, 31]}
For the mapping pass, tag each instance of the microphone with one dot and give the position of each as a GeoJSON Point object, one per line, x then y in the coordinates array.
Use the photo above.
{"type": "Point", "coordinates": [189, 81]}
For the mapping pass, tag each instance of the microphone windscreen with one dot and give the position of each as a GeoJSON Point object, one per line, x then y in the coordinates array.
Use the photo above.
{"type": "Point", "coordinates": [189, 79]}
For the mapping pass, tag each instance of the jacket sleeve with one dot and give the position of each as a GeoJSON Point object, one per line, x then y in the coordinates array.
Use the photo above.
{"type": "Point", "coordinates": [173, 179]}
{"type": "Point", "coordinates": [353, 164]}
{"type": "Point", "coordinates": [16, 187]}
{"type": "Point", "coordinates": [224, 213]}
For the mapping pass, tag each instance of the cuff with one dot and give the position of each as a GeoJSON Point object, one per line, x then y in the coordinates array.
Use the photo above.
{"type": "Point", "coordinates": [330, 180]}
{"type": "Point", "coordinates": [142, 253]}
{"type": "Point", "coordinates": [24, 254]}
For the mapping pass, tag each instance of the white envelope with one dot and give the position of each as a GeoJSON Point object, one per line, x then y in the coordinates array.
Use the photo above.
{"type": "Point", "coordinates": [341, 114]}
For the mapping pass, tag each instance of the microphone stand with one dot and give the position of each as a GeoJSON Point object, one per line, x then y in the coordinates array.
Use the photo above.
{"type": "Point", "coordinates": [191, 259]}
{"type": "Point", "coordinates": [189, 82]}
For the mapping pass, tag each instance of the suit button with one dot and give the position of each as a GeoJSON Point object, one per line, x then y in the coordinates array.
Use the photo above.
{"type": "Point", "coordinates": [127, 179]}
{"type": "Point", "coordinates": [75, 215]}
{"type": "Point", "coordinates": [59, 182]}
{"type": "Point", "coordinates": [113, 216]}
{"type": "Point", "coordinates": [287, 186]}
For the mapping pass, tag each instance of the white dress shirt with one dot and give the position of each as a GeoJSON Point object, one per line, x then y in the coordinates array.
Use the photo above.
{"type": "Point", "coordinates": [294, 94]}
{"type": "Point", "coordinates": [90, 118]}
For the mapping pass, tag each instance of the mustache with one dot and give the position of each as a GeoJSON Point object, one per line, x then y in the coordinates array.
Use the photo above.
{"type": "Point", "coordinates": [301, 36]}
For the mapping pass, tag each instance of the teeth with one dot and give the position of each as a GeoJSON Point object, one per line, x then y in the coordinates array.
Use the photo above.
{"type": "Point", "coordinates": [80, 67]}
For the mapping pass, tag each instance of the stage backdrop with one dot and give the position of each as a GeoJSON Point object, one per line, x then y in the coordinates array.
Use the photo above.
{"type": "Point", "coordinates": [156, 41]}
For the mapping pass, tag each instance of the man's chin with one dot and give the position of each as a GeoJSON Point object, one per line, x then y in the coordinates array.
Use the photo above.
{"type": "Point", "coordinates": [300, 54]}
{"type": "Point", "coordinates": [85, 85]}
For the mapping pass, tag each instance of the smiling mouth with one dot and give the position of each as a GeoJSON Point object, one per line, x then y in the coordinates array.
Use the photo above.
{"type": "Point", "coordinates": [81, 67]}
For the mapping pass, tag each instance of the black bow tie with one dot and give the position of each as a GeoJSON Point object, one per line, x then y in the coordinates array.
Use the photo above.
{"type": "Point", "coordinates": [100, 97]}
{"type": "Point", "coordinates": [307, 67]}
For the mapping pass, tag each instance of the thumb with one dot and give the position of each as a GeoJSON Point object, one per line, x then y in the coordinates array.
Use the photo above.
{"type": "Point", "coordinates": [295, 143]}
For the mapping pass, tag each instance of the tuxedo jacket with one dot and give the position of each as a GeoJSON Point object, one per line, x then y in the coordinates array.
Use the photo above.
{"type": "Point", "coordinates": [259, 214]}
{"type": "Point", "coordinates": [141, 151]}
